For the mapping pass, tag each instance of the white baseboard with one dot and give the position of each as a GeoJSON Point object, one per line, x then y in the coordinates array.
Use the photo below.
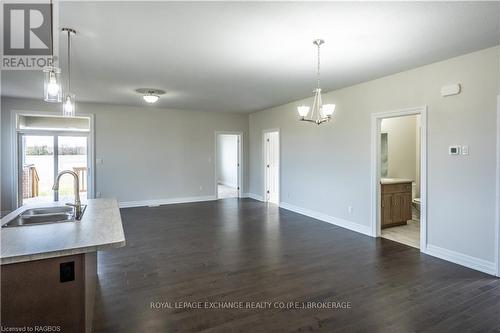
{"type": "Point", "coordinates": [255, 196]}
{"type": "Point", "coordinates": [157, 202]}
{"type": "Point", "coordinates": [461, 259]}
{"type": "Point", "coordinates": [330, 219]}
{"type": "Point", "coordinates": [227, 184]}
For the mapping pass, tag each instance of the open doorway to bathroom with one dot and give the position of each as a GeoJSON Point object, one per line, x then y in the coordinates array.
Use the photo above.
{"type": "Point", "coordinates": [228, 165]}
{"type": "Point", "coordinates": [399, 159]}
{"type": "Point", "coordinates": [400, 179]}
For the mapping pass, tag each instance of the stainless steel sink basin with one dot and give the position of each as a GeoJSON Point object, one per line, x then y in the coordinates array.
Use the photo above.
{"type": "Point", "coordinates": [43, 215]}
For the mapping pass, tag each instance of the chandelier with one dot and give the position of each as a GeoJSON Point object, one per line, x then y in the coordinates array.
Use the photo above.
{"type": "Point", "coordinates": [320, 113]}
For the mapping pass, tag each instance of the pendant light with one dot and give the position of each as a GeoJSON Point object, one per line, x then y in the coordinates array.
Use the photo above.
{"type": "Point", "coordinates": [52, 88]}
{"type": "Point", "coordinates": [69, 106]}
{"type": "Point", "coordinates": [52, 91]}
{"type": "Point", "coordinates": [320, 113]}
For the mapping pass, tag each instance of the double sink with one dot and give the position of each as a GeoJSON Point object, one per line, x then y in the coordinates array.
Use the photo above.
{"type": "Point", "coordinates": [52, 214]}
{"type": "Point", "coordinates": [44, 215]}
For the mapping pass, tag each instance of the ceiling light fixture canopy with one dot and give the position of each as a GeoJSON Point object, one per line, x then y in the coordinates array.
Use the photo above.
{"type": "Point", "coordinates": [321, 113]}
{"type": "Point", "coordinates": [69, 105]}
{"type": "Point", "coordinates": [150, 95]}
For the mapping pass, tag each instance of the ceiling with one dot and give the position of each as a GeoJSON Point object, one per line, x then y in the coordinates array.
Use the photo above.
{"type": "Point", "coordinates": [248, 56]}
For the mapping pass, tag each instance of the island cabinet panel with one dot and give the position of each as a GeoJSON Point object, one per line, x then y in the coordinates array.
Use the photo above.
{"type": "Point", "coordinates": [50, 292]}
{"type": "Point", "coordinates": [395, 204]}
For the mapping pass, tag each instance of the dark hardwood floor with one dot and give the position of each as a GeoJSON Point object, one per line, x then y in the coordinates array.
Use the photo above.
{"type": "Point", "coordinates": [242, 250]}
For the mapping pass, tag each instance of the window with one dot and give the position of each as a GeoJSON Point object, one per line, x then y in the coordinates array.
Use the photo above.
{"type": "Point", "coordinates": [48, 145]}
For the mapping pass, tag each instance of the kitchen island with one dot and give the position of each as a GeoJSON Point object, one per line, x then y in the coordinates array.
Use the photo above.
{"type": "Point", "coordinates": [49, 271]}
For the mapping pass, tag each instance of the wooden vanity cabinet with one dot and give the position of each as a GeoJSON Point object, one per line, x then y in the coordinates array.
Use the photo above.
{"type": "Point", "coordinates": [396, 204]}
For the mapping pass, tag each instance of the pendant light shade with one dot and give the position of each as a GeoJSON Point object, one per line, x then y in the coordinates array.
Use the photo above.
{"type": "Point", "coordinates": [52, 88]}
{"type": "Point", "coordinates": [69, 106]}
{"type": "Point", "coordinates": [69, 103]}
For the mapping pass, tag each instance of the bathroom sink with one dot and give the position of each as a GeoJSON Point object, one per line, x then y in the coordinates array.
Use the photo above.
{"type": "Point", "coordinates": [43, 215]}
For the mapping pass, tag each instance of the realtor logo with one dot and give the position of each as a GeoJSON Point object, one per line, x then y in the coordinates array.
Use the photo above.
{"type": "Point", "coordinates": [27, 35]}
{"type": "Point", "coordinates": [27, 29]}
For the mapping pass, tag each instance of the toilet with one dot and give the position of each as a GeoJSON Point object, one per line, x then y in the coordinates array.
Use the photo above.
{"type": "Point", "coordinates": [416, 203]}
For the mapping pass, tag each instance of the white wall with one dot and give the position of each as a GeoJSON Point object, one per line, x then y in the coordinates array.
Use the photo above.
{"type": "Point", "coordinates": [148, 153]}
{"type": "Point", "coordinates": [402, 147]}
{"type": "Point", "coordinates": [227, 159]}
{"type": "Point", "coordinates": [325, 169]}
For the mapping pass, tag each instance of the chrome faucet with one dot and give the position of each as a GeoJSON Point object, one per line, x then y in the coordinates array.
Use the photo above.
{"type": "Point", "coordinates": [77, 205]}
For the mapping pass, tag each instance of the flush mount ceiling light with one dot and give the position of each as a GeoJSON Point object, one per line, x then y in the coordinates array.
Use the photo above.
{"type": "Point", "coordinates": [320, 113]}
{"type": "Point", "coordinates": [150, 95]}
{"type": "Point", "coordinates": [69, 107]}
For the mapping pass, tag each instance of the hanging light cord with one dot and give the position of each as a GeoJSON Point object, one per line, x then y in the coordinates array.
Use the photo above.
{"type": "Point", "coordinates": [52, 30]}
{"type": "Point", "coordinates": [69, 62]}
{"type": "Point", "coordinates": [319, 46]}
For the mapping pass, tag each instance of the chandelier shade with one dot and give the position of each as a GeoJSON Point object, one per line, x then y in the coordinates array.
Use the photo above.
{"type": "Point", "coordinates": [327, 110]}
{"type": "Point", "coordinates": [303, 111]}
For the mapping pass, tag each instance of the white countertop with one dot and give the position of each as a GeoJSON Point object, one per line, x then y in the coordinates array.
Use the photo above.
{"type": "Point", "coordinates": [387, 181]}
{"type": "Point", "coordinates": [100, 228]}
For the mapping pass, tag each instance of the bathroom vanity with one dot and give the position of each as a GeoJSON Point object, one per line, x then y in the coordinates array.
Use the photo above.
{"type": "Point", "coordinates": [49, 270]}
{"type": "Point", "coordinates": [395, 201]}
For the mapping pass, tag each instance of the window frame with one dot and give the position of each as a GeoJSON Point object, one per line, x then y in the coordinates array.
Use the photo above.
{"type": "Point", "coordinates": [16, 153]}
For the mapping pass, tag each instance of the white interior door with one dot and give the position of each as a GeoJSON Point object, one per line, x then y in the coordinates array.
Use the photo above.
{"type": "Point", "coordinates": [272, 166]}
{"type": "Point", "coordinates": [238, 165]}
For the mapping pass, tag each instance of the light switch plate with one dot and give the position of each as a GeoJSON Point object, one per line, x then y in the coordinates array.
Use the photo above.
{"type": "Point", "coordinates": [465, 150]}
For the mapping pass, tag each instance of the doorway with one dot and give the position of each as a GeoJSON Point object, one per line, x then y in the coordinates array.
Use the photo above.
{"type": "Point", "coordinates": [228, 165]}
{"type": "Point", "coordinates": [272, 166]}
{"type": "Point", "coordinates": [399, 175]}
